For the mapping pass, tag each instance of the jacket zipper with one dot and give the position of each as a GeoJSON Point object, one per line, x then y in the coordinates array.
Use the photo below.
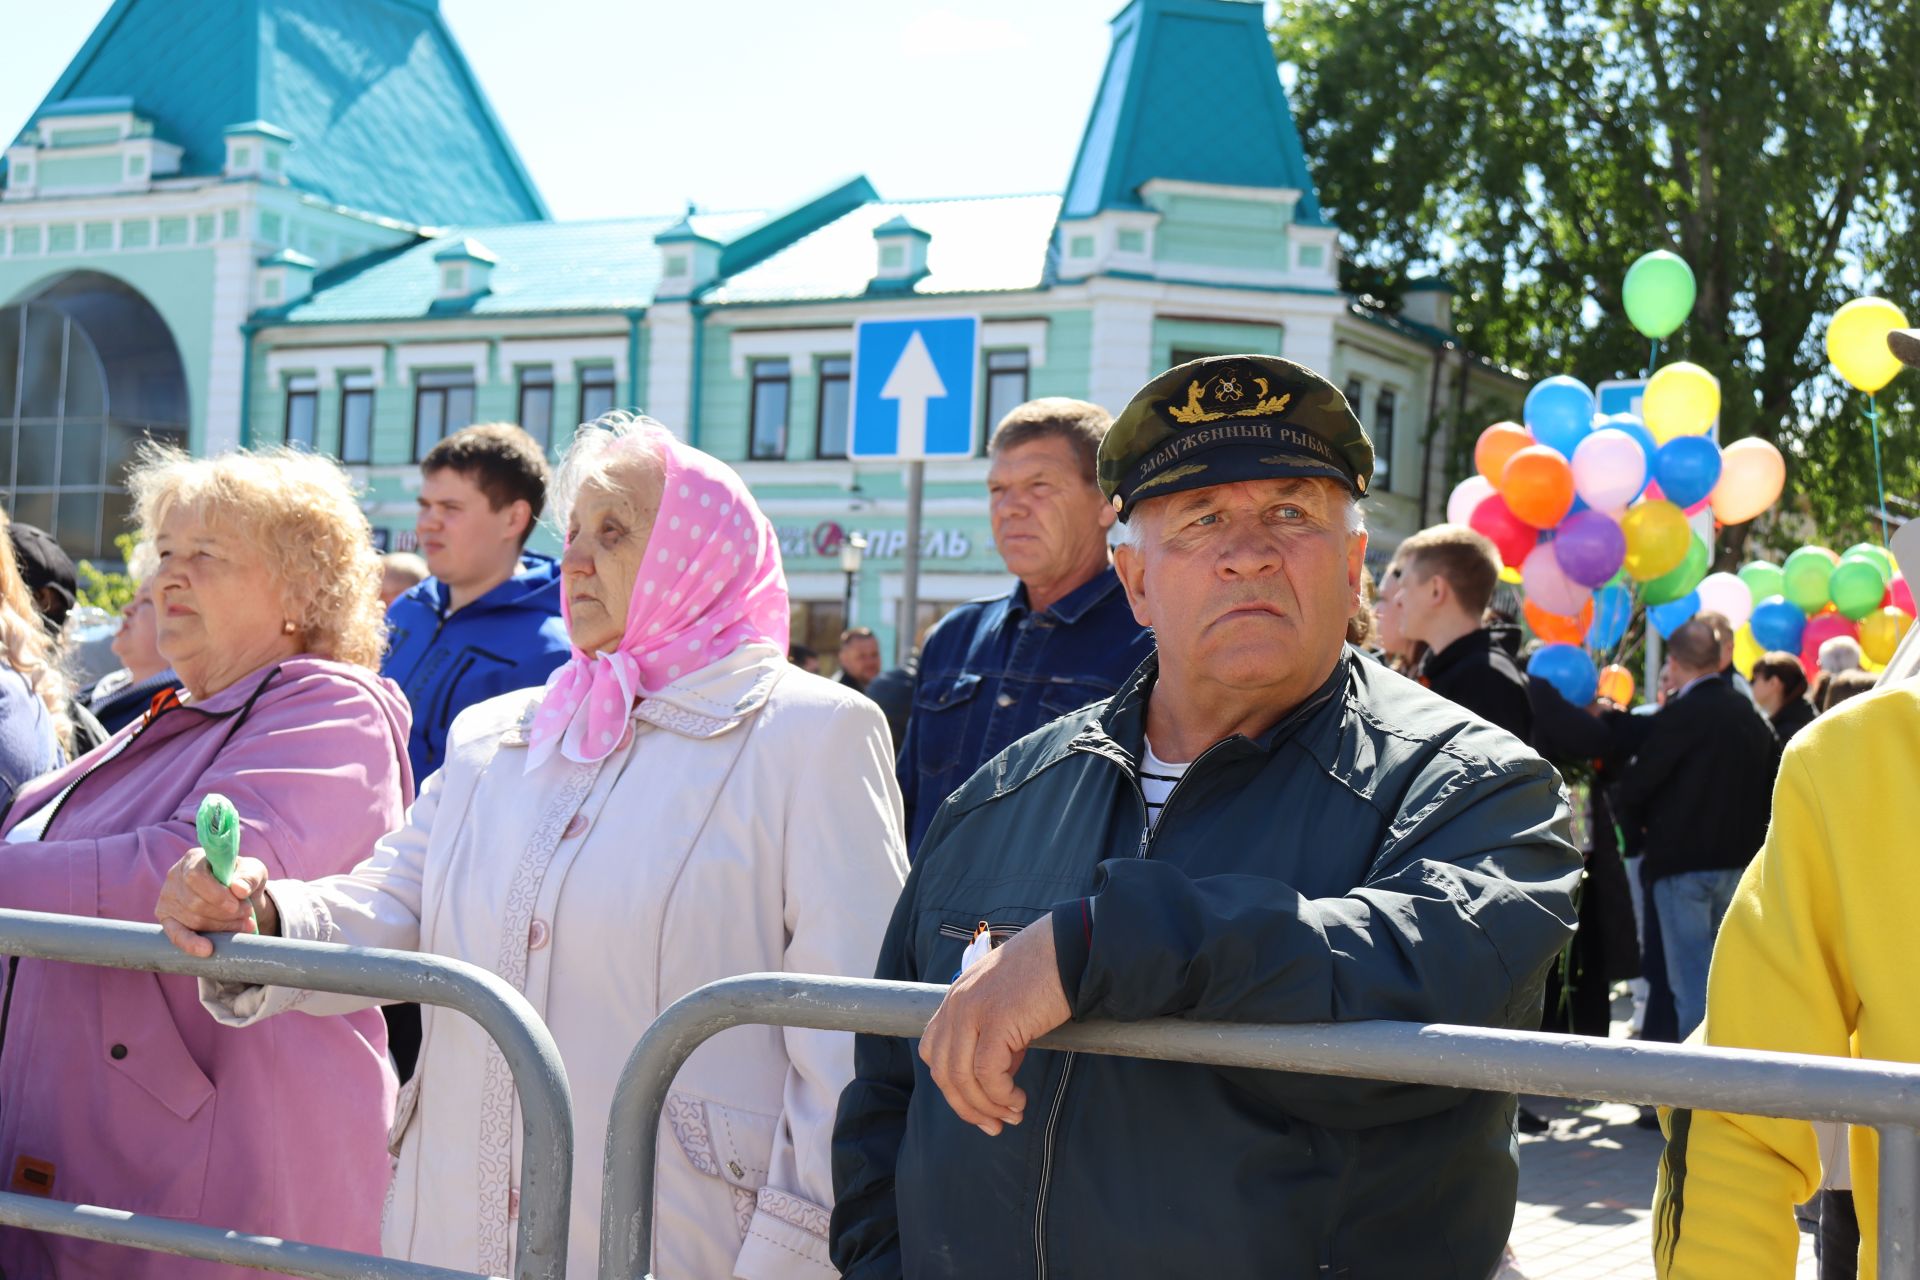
{"type": "Point", "coordinates": [1066, 1070]}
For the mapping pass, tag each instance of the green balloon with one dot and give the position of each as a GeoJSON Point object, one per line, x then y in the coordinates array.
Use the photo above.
{"type": "Point", "coordinates": [1856, 587]}
{"type": "Point", "coordinates": [1807, 572]}
{"type": "Point", "coordinates": [1878, 554]}
{"type": "Point", "coordinates": [1674, 584]}
{"type": "Point", "coordinates": [1763, 579]}
{"type": "Point", "coordinates": [1658, 293]}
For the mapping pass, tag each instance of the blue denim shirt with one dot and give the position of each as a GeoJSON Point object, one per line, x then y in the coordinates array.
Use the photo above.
{"type": "Point", "coordinates": [993, 671]}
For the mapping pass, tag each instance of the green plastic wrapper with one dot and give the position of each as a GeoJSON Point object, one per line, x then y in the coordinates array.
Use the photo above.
{"type": "Point", "coordinates": [218, 826]}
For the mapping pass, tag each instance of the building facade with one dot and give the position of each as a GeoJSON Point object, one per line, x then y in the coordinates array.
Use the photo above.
{"type": "Point", "coordinates": [318, 234]}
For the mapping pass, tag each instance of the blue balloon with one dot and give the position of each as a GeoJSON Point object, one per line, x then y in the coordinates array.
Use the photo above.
{"type": "Point", "coordinates": [1569, 670]}
{"type": "Point", "coordinates": [1777, 623]}
{"type": "Point", "coordinates": [1666, 618]}
{"type": "Point", "coordinates": [1559, 412]}
{"type": "Point", "coordinates": [1612, 610]}
{"type": "Point", "coordinates": [1687, 468]}
{"type": "Point", "coordinates": [1644, 438]}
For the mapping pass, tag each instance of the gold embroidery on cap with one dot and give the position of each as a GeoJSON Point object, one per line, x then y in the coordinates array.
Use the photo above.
{"type": "Point", "coordinates": [1178, 473]}
{"type": "Point", "coordinates": [1224, 388]}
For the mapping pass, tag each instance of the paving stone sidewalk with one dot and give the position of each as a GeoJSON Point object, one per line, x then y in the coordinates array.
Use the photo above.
{"type": "Point", "coordinates": [1586, 1195]}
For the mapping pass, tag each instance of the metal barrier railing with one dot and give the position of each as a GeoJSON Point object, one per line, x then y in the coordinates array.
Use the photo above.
{"type": "Point", "coordinates": [1794, 1086]}
{"type": "Point", "coordinates": [546, 1104]}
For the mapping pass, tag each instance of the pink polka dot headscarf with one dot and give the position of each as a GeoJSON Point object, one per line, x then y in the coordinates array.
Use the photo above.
{"type": "Point", "coordinates": [711, 582]}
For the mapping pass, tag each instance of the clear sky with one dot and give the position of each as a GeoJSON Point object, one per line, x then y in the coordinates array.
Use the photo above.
{"type": "Point", "coordinates": [638, 106]}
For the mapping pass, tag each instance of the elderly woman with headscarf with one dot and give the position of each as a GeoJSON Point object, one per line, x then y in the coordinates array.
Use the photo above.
{"type": "Point", "coordinates": [116, 1089]}
{"type": "Point", "coordinates": [679, 804]}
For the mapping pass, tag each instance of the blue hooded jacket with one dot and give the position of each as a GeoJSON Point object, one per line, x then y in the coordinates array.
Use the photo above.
{"type": "Point", "coordinates": [510, 638]}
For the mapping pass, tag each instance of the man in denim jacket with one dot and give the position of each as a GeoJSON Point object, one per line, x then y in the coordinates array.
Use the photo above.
{"type": "Point", "coordinates": [995, 670]}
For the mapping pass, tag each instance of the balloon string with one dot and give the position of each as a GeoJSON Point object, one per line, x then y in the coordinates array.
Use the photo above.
{"type": "Point", "coordinates": [1879, 478]}
{"type": "Point", "coordinates": [1653, 358]}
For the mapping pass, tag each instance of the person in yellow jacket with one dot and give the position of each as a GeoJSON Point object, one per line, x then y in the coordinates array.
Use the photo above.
{"type": "Point", "coordinates": [1816, 955]}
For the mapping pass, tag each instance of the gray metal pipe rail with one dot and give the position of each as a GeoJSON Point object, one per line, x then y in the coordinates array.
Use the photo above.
{"type": "Point", "coordinates": [1795, 1086]}
{"type": "Point", "coordinates": [546, 1103]}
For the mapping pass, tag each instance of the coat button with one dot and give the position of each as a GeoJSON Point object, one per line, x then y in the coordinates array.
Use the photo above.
{"type": "Point", "coordinates": [513, 1203]}
{"type": "Point", "coordinates": [577, 826]}
{"type": "Point", "coordinates": [537, 935]}
{"type": "Point", "coordinates": [1005, 700]}
{"type": "Point", "coordinates": [118, 1052]}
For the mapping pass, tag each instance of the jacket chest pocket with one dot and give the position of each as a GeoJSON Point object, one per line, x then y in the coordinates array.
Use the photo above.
{"type": "Point", "coordinates": [953, 934]}
{"type": "Point", "coordinates": [940, 709]}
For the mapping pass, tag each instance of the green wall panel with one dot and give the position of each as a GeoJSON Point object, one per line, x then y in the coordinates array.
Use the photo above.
{"type": "Point", "coordinates": [1213, 338]}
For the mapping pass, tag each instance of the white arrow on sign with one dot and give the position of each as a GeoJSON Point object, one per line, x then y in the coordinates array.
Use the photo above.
{"type": "Point", "coordinates": [913, 382]}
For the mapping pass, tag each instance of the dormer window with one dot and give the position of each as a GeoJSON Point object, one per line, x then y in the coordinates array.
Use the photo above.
{"type": "Point", "coordinates": [689, 261]}
{"type": "Point", "coordinates": [257, 150]}
{"type": "Point", "coordinates": [902, 252]}
{"type": "Point", "coordinates": [466, 269]}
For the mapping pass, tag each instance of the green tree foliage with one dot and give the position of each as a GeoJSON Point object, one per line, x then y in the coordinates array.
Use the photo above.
{"type": "Point", "coordinates": [107, 589]}
{"type": "Point", "coordinates": [1531, 149]}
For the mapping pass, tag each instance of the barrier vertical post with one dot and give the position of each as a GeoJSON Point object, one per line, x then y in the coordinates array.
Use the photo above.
{"type": "Point", "coordinates": [1899, 1202]}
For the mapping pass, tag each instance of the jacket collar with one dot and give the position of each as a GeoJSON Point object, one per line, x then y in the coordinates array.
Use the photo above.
{"type": "Point", "coordinates": [1076, 604]}
{"type": "Point", "coordinates": [1120, 731]}
{"type": "Point", "coordinates": [1473, 643]}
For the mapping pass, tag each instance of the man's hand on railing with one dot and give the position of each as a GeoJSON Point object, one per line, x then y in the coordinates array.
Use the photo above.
{"type": "Point", "coordinates": [998, 1006]}
{"type": "Point", "coordinates": [192, 902]}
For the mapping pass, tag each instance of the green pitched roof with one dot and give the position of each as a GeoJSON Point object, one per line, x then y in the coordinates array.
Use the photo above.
{"type": "Point", "coordinates": [988, 245]}
{"type": "Point", "coordinates": [1191, 92]}
{"type": "Point", "coordinates": [540, 268]}
{"type": "Point", "coordinates": [385, 113]}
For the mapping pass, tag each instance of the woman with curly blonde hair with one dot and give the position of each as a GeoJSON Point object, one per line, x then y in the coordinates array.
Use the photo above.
{"type": "Point", "coordinates": [34, 727]}
{"type": "Point", "coordinates": [116, 1088]}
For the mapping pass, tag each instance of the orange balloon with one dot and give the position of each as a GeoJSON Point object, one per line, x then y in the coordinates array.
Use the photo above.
{"type": "Point", "coordinates": [1752, 473]}
{"type": "Point", "coordinates": [1616, 685]}
{"type": "Point", "coordinates": [1498, 443]}
{"type": "Point", "coordinates": [1538, 486]}
{"type": "Point", "coordinates": [1556, 628]}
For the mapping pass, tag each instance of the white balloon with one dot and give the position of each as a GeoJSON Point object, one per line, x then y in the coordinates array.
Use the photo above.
{"type": "Point", "coordinates": [1726, 595]}
{"type": "Point", "coordinates": [1609, 469]}
{"type": "Point", "coordinates": [1467, 495]}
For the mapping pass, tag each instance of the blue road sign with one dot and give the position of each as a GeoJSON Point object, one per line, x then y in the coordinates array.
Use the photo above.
{"type": "Point", "coordinates": [914, 384]}
{"type": "Point", "coordinates": [1624, 396]}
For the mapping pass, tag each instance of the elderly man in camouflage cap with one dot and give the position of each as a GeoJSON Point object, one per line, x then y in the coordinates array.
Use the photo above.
{"type": "Point", "coordinates": [1259, 827]}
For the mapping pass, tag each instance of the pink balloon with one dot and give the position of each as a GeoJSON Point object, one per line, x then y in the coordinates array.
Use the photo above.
{"type": "Point", "coordinates": [1609, 467]}
{"type": "Point", "coordinates": [1820, 629]}
{"type": "Point", "coordinates": [1899, 595]}
{"type": "Point", "coordinates": [1548, 586]}
{"type": "Point", "coordinates": [1467, 495]}
{"type": "Point", "coordinates": [1726, 595]}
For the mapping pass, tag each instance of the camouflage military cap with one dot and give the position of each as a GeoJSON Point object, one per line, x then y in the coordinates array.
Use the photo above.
{"type": "Point", "coordinates": [1224, 419]}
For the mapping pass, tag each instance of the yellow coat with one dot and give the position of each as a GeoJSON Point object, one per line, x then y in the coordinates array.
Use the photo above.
{"type": "Point", "coordinates": [1818, 954]}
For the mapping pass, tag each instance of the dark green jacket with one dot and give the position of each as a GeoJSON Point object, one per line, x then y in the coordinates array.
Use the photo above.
{"type": "Point", "coordinates": [1379, 854]}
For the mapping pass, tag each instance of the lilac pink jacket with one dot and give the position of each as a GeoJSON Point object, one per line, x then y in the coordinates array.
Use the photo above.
{"type": "Point", "coordinates": [116, 1087]}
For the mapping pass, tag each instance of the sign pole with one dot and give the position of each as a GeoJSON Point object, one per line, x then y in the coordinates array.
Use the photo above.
{"type": "Point", "coordinates": [910, 579]}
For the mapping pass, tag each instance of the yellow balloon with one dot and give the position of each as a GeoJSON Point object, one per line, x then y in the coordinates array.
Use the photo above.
{"type": "Point", "coordinates": [1657, 539]}
{"type": "Point", "coordinates": [1881, 631]}
{"type": "Point", "coordinates": [1509, 575]}
{"type": "Point", "coordinates": [1746, 651]}
{"type": "Point", "coordinates": [1682, 400]}
{"type": "Point", "coordinates": [1857, 343]}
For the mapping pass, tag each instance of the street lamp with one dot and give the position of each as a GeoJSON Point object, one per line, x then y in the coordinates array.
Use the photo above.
{"type": "Point", "coordinates": [851, 552]}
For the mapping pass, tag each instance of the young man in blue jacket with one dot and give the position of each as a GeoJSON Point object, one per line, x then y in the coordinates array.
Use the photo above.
{"type": "Point", "coordinates": [488, 621]}
{"type": "Point", "coordinates": [1261, 826]}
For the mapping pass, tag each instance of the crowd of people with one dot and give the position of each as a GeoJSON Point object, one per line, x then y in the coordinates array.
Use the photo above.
{"type": "Point", "coordinates": [1191, 764]}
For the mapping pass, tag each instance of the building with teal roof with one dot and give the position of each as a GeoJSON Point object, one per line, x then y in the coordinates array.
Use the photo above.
{"type": "Point", "coordinates": [298, 221]}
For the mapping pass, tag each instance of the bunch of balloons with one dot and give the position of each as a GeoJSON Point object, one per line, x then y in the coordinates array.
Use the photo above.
{"type": "Point", "coordinates": [1591, 510]}
{"type": "Point", "coordinates": [1816, 595]}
